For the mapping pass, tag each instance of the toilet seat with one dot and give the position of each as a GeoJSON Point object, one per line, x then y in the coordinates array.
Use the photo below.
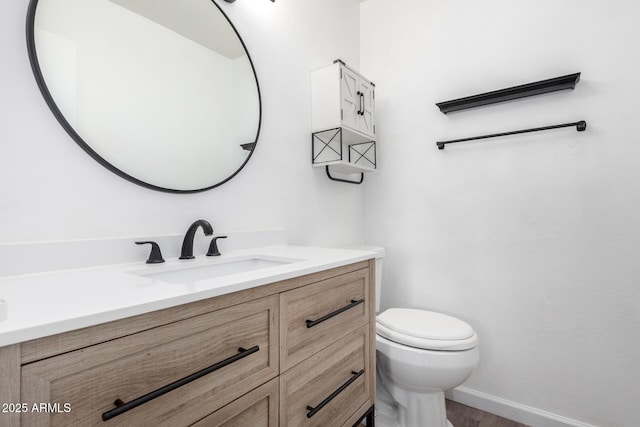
{"type": "Point", "coordinates": [426, 330]}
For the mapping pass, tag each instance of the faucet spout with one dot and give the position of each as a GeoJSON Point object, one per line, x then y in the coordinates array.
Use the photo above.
{"type": "Point", "coordinates": [187, 243]}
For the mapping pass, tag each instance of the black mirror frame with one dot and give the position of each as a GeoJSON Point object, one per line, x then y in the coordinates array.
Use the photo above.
{"type": "Point", "coordinates": [35, 67]}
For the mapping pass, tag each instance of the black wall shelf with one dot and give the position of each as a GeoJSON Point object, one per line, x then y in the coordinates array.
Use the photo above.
{"type": "Point", "coordinates": [515, 92]}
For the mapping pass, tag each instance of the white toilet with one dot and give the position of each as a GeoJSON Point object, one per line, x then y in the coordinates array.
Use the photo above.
{"type": "Point", "coordinates": [420, 355]}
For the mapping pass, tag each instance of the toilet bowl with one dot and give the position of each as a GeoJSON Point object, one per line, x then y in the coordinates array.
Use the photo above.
{"type": "Point", "coordinates": [419, 355]}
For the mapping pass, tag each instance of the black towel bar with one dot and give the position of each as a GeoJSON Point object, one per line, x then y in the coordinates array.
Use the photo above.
{"type": "Point", "coordinates": [333, 178]}
{"type": "Point", "coordinates": [580, 126]}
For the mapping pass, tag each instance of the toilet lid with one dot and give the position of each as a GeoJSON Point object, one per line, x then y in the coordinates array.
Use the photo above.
{"type": "Point", "coordinates": [426, 329]}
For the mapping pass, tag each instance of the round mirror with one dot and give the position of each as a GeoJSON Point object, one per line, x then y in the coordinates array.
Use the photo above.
{"type": "Point", "coordinates": [161, 92]}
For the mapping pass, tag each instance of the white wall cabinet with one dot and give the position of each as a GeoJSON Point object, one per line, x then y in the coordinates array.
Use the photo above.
{"type": "Point", "coordinates": [343, 119]}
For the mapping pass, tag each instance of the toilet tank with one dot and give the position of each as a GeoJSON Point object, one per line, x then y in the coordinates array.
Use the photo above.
{"type": "Point", "coordinates": [380, 254]}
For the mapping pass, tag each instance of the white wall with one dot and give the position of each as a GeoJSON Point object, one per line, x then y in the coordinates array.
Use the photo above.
{"type": "Point", "coordinates": [532, 239]}
{"type": "Point", "coordinates": [52, 190]}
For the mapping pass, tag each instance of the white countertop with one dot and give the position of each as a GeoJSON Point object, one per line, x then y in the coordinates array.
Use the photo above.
{"type": "Point", "coordinates": [44, 304]}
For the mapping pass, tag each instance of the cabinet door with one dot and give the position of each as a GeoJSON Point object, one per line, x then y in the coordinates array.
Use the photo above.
{"type": "Point", "coordinates": [258, 408]}
{"type": "Point", "coordinates": [366, 117]}
{"type": "Point", "coordinates": [357, 103]}
{"type": "Point", "coordinates": [314, 316]}
{"type": "Point", "coordinates": [350, 99]}
{"type": "Point", "coordinates": [200, 364]}
{"type": "Point", "coordinates": [330, 386]}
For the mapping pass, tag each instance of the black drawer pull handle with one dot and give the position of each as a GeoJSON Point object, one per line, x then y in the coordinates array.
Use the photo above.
{"type": "Point", "coordinates": [122, 407]}
{"type": "Point", "coordinates": [313, 411]}
{"type": "Point", "coordinates": [312, 323]}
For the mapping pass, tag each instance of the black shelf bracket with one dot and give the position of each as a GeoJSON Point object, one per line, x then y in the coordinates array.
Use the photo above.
{"type": "Point", "coordinates": [530, 89]}
{"type": "Point", "coordinates": [580, 127]}
{"type": "Point", "coordinates": [332, 178]}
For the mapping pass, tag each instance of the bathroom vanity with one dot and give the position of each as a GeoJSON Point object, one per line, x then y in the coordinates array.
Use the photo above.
{"type": "Point", "coordinates": [285, 345]}
{"type": "Point", "coordinates": [281, 336]}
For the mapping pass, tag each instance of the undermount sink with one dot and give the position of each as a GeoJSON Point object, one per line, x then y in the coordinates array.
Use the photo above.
{"type": "Point", "coordinates": [195, 273]}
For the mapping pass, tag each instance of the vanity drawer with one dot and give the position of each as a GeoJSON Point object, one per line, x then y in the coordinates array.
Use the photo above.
{"type": "Point", "coordinates": [201, 355]}
{"type": "Point", "coordinates": [258, 408]}
{"type": "Point", "coordinates": [329, 386]}
{"type": "Point", "coordinates": [314, 316]}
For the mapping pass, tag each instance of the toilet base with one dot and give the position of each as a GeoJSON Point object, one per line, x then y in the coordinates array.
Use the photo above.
{"type": "Point", "coordinates": [396, 407]}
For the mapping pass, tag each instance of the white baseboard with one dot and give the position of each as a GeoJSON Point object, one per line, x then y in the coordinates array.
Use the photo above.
{"type": "Point", "coordinates": [512, 410]}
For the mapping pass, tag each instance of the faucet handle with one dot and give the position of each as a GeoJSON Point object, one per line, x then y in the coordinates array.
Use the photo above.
{"type": "Point", "coordinates": [213, 247]}
{"type": "Point", "coordinates": [155, 257]}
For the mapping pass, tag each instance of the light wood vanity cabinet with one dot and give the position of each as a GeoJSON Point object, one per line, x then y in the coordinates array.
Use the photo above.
{"type": "Point", "coordinates": [299, 352]}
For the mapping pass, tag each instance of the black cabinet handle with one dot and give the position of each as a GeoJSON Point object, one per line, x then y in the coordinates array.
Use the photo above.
{"type": "Point", "coordinates": [359, 102]}
{"type": "Point", "coordinates": [312, 323]}
{"type": "Point", "coordinates": [362, 103]}
{"type": "Point", "coordinates": [313, 411]}
{"type": "Point", "coordinates": [122, 407]}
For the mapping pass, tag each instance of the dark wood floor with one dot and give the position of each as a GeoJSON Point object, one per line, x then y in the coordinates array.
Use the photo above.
{"type": "Point", "coordinates": [465, 416]}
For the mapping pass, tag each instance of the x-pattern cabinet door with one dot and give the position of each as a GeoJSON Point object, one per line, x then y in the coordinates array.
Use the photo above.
{"type": "Point", "coordinates": [366, 123]}
{"type": "Point", "coordinates": [357, 102]}
{"type": "Point", "coordinates": [350, 98]}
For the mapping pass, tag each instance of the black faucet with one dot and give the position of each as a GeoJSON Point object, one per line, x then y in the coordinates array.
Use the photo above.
{"type": "Point", "coordinates": [187, 243]}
